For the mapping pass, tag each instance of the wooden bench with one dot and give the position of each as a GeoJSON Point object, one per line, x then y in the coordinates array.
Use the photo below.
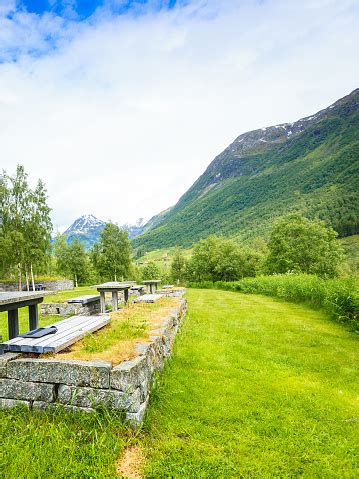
{"type": "Point", "coordinates": [69, 331]}
{"type": "Point", "coordinates": [148, 298]}
{"type": "Point", "coordinates": [86, 299]}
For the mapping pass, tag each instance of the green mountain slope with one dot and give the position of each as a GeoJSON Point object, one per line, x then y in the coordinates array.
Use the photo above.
{"type": "Point", "coordinates": [311, 166]}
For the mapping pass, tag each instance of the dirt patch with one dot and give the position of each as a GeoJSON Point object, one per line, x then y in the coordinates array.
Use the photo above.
{"type": "Point", "coordinates": [130, 464]}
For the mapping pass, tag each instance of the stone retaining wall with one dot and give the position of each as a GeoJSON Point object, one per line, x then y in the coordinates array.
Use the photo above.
{"type": "Point", "coordinates": [50, 285]}
{"type": "Point", "coordinates": [85, 385]}
{"type": "Point", "coordinates": [66, 309]}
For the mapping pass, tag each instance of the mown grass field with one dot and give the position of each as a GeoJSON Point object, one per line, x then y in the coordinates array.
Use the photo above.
{"type": "Point", "coordinates": [256, 388]}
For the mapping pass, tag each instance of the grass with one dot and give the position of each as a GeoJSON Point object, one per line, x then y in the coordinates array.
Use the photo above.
{"type": "Point", "coordinates": [116, 341]}
{"type": "Point", "coordinates": [256, 388]}
{"type": "Point", "coordinates": [338, 296]}
{"type": "Point", "coordinates": [60, 297]}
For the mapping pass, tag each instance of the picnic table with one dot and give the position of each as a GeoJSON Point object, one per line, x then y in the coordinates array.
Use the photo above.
{"type": "Point", "coordinates": [112, 287]}
{"type": "Point", "coordinates": [152, 283]}
{"type": "Point", "coordinates": [11, 302]}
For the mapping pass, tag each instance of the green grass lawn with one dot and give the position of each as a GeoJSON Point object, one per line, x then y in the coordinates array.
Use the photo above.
{"type": "Point", "coordinates": [256, 388]}
{"type": "Point", "coordinates": [61, 296]}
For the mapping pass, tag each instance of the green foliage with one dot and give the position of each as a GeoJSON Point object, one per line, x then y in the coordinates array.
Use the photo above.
{"type": "Point", "coordinates": [72, 260]}
{"type": "Point", "coordinates": [216, 259]}
{"type": "Point", "coordinates": [111, 255]}
{"type": "Point", "coordinates": [303, 246]}
{"type": "Point", "coordinates": [314, 172]}
{"type": "Point", "coordinates": [337, 296]}
{"type": "Point", "coordinates": [25, 230]}
{"type": "Point", "coordinates": [178, 267]}
{"type": "Point", "coordinates": [150, 271]}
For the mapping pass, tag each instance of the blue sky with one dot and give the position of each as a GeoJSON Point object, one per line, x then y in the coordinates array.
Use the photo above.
{"type": "Point", "coordinates": [120, 105]}
{"type": "Point", "coordinates": [82, 9]}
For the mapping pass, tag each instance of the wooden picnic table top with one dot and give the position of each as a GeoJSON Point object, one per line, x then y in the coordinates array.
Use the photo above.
{"type": "Point", "coordinates": [21, 296]}
{"type": "Point", "coordinates": [151, 281]}
{"type": "Point", "coordinates": [113, 286]}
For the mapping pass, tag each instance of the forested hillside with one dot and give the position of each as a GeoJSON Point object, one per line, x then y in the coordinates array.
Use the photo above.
{"type": "Point", "coordinates": [311, 166]}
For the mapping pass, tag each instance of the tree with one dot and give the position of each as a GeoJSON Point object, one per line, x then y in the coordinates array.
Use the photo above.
{"type": "Point", "coordinates": [111, 255]}
{"type": "Point", "coordinates": [150, 271]}
{"type": "Point", "coordinates": [305, 246]}
{"type": "Point", "coordinates": [220, 259]}
{"type": "Point", "coordinates": [178, 266]}
{"type": "Point", "coordinates": [71, 259]}
{"type": "Point", "coordinates": [25, 224]}
{"type": "Point", "coordinates": [38, 228]}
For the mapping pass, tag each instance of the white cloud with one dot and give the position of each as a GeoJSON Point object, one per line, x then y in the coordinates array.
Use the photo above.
{"type": "Point", "coordinates": [126, 112]}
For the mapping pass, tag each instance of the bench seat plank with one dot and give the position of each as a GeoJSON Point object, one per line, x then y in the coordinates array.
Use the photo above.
{"type": "Point", "coordinates": [87, 298]}
{"type": "Point", "coordinates": [148, 298]}
{"type": "Point", "coordinates": [69, 331]}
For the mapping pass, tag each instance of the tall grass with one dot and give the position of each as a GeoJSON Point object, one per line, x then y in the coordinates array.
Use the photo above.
{"type": "Point", "coordinates": [339, 297]}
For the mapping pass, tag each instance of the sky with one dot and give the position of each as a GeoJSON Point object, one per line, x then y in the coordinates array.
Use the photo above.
{"type": "Point", "coordinates": [119, 105]}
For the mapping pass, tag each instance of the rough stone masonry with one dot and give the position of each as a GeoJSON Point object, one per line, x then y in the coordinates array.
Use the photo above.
{"type": "Point", "coordinates": [85, 385]}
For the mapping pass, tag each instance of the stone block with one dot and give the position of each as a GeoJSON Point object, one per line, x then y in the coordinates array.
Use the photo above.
{"type": "Point", "coordinates": [135, 418]}
{"type": "Point", "coordinates": [95, 374]}
{"type": "Point", "coordinates": [10, 403]}
{"type": "Point", "coordinates": [93, 398]}
{"type": "Point", "coordinates": [28, 391]}
{"type": "Point", "coordinates": [4, 359]}
{"type": "Point", "coordinates": [128, 375]}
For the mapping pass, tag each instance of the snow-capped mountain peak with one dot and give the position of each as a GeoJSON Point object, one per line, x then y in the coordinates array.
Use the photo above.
{"type": "Point", "coordinates": [85, 224]}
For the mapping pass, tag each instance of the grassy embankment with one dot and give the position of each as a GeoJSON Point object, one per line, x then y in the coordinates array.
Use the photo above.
{"type": "Point", "coordinates": [256, 388]}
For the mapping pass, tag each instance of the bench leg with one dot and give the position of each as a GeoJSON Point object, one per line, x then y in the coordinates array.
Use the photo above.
{"type": "Point", "coordinates": [114, 300]}
{"type": "Point", "coordinates": [125, 295]}
{"type": "Point", "coordinates": [13, 323]}
{"type": "Point", "coordinates": [33, 317]}
{"type": "Point", "coordinates": [102, 302]}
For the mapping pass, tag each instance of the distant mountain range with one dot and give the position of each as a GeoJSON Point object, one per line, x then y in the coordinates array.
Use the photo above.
{"type": "Point", "coordinates": [88, 229]}
{"type": "Point", "coordinates": [310, 166]}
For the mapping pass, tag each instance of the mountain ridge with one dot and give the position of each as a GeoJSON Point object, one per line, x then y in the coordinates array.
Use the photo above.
{"type": "Point", "coordinates": [320, 149]}
{"type": "Point", "coordinates": [88, 228]}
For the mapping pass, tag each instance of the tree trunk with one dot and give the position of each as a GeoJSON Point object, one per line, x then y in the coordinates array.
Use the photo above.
{"type": "Point", "coordinates": [27, 278]}
{"type": "Point", "coordinates": [76, 280]}
{"type": "Point", "coordinates": [32, 277]}
{"type": "Point", "coordinates": [115, 276]}
{"type": "Point", "coordinates": [19, 275]}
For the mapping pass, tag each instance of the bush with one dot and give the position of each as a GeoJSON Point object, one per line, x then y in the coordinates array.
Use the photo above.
{"type": "Point", "coordinates": [339, 297]}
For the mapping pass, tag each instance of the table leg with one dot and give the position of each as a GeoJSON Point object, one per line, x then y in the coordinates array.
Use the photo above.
{"type": "Point", "coordinates": [102, 302]}
{"type": "Point", "coordinates": [125, 295]}
{"type": "Point", "coordinates": [114, 300]}
{"type": "Point", "coordinates": [33, 317]}
{"type": "Point", "coordinates": [151, 288]}
{"type": "Point", "coordinates": [13, 323]}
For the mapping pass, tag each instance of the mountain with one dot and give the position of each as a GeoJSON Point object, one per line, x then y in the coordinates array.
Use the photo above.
{"type": "Point", "coordinates": [88, 229]}
{"type": "Point", "coordinates": [311, 166]}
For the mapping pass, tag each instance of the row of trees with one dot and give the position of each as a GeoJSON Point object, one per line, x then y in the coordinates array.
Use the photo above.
{"type": "Point", "coordinates": [25, 226]}
{"type": "Point", "coordinates": [295, 244]}
{"type": "Point", "coordinates": [109, 259]}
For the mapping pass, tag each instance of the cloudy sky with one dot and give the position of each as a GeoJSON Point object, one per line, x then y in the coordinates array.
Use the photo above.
{"type": "Point", "coordinates": [119, 105]}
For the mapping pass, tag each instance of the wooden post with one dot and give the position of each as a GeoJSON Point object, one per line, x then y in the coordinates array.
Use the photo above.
{"type": "Point", "coordinates": [114, 300]}
{"type": "Point", "coordinates": [33, 317]}
{"type": "Point", "coordinates": [13, 323]}
{"type": "Point", "coordinates": [151, 288]}
{"type": "Point", "coordinates": [102, 302]}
